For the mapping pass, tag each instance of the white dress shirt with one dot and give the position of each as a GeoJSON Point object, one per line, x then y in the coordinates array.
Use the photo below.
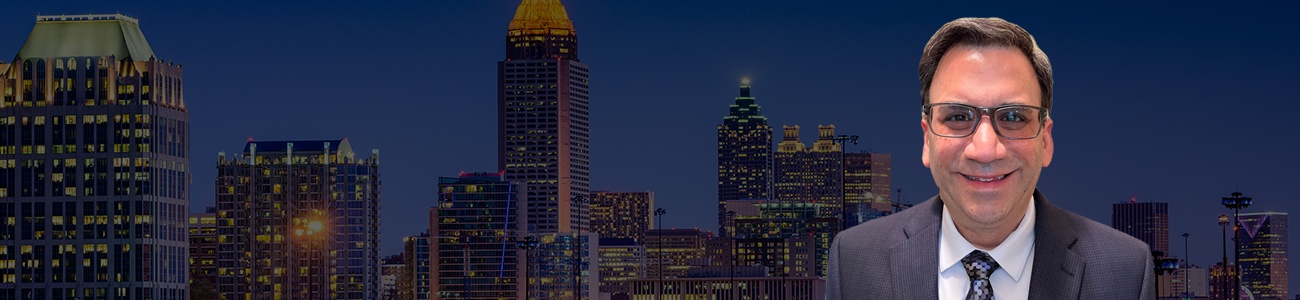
{"type": "Point", "coordinates": [1015, 257]}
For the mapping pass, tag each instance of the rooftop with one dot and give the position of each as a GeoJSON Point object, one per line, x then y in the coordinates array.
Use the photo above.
{"type": "Point", "coordinates": [337, 147]}
{"type": "Point", "coordinates": [541, 14]}
{"type": "Point", "coordinates": [86, 35]}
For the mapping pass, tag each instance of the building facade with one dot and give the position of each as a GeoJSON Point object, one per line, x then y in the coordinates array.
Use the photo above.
{"type": "Point", "coordinates": [298, 219]}
{"type": "Point", "coordinates": [669, 252]}
{"type": "Point", "coordinates": [1263, 256]}
{"type": "Point", "coordinates": [725, 288]}
{"type": "Point", "coordinates": [474, 228]}
{"type": "Point", "coordinates": [621, 259]}
{"type": "Point", "coordinates": [543, 125]}
{"type": "Point", "coordinates": [782, 221]}
{"type": "Point", "coordinates": [203, 248]}
{"type": "Point", "coordinates": [1221, 281]}
{"type": "Point", "coordinates": [744, 155]}
{"type": "Point", "coordinates": [1185, 282]}
{"type": "Point", "coordinates": [391, 269]}
{"type": "Point", "coordinates": [413, 283]}
{"type": "Point", "coordinates": [94, 157]}
{"type": "Point", "coordinates": [621, 214]}
{"type": "Point", "coordinates": [1146, 221]}
{"type": "Point", "coordinates": [810, 174]}
{"type": "Point", "coordinates": [867, 186]}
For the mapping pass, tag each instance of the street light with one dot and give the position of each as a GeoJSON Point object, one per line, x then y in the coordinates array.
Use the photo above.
{"type": "Point", "coordinates": [659, 213]}
{"type": "Point", "coordinates": [528, 244]}
{"type": "Point", "coordinates": [843, 168]}
{"type": "Point", "coordinates": [1236, 203]}
{"type": "Point", "coordinates": [577, 261]}
{"type": "Point", "coordinates": [1223, 224]}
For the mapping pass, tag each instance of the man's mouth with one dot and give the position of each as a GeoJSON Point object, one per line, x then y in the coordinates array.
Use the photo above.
{"type": "Point", "coordinates": [986, 179]}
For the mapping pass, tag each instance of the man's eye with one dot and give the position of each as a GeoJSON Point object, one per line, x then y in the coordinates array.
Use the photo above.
{"type": "Point", "coordinates": [957, 117]}
{"type": "Point", "coordinates": [1013, 116]}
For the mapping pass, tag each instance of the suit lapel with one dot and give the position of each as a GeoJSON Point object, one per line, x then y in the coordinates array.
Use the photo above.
{"type": "Point", "coordinates": [1058, 270]}
{"type": "Point", "coordinates": [914, 263]}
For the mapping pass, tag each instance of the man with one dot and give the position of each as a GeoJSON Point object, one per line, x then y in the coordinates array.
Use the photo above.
{"type": "Point", "coordinates": [986, 94]}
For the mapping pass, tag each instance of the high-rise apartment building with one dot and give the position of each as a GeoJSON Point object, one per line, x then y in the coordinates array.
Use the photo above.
{"type": "Point", "coordinates": [866, 186]}
{"type": "Point", "coordinates": [94, 165]}
{"type": "Point", "coordinates": [1221, 281]}
{"type": "Point", "coordinates": [1263, 256]}
{"type": "Point", "coordinates": [298, 220]}
{"type": "Point", "coordinates": [543, 117]}
{"type": "Point", "coordinates": [474, 226]}
{"type": "Point", "coordinates": [810, 175]}
{"type": "Point", "coordinates": [669, 252]}
{"type": "Point", "coordinates": [744, 155]}
{"type": "Point", "coordinates": [413, 283]}
{"type": "Point", "coordinates": [392, 268]}
{"type": "Point", "coordinates": [1146, 221]}
{"type": "Point", "coordinates": [203, 248]}
{"type": "Point", "coordinates": [621, 259]}
{"type": "Point", "coordinates": [783, 220]}
{"type": "Point", "coordinates": [621, 214]}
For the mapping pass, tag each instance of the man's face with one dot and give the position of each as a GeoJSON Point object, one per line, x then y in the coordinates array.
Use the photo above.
{"type": "Point", "coordinates": [983, 177]}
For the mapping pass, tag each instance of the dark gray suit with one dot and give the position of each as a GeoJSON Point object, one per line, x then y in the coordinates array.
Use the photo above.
{"type": "Point", "coordinates": [897, 257]}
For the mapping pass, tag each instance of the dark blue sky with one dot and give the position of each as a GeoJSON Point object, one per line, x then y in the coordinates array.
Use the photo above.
{"type": "Point", "coordinates": [1164, 103]}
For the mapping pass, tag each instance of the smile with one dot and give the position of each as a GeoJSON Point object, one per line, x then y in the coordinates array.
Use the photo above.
{"type": "Point", "coordinates": [985, 179]}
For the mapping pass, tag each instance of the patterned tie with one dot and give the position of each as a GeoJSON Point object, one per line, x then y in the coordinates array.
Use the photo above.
{"type": "Point", "coordinates": [979, 266]}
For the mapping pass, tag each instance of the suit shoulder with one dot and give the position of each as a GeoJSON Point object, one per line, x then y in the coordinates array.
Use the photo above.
{"type": "Point", "coordinates": [1096, 238]}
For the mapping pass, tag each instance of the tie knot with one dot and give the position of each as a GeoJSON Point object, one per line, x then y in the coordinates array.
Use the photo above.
{"type": "Point", "coordinates": [979, 265]}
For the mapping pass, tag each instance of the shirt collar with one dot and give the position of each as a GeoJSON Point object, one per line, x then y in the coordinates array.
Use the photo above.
{"type": "Point", "coordinates": [1012, 255]}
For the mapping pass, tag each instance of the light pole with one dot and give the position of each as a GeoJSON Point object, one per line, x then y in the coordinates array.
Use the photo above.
{"type": "Point", "coordinates": [1236, 203]}
{"type": "Point", "coordinates": [577, 260]}
{"type": "Point", "coordinates": [528, 244]}
{"type": "Point", "coordinates": [1223, 224]}
{"type": "Point", "coordinates": [843, 168]}
{"type": "Point", "coordinates": [1187, 257]}
{"type": "Point", "coordinates": [731, 288]}
{"type": "Point", "coordinates": [659, 213]}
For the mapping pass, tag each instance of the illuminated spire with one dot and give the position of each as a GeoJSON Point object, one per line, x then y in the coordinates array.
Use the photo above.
{"type": "Point", "coordinates": [541, 29]}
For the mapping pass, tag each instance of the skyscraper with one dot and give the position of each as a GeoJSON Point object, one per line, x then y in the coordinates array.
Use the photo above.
{"type": "Point", "coordinates": [810, 175]}
{"type": "Point", "coordinates": [474, 227]}
{"type": "Point", "coordinates": [94, 164]}
{"type": "Point", "coordinates": [542, 113]}
{"type": "Point", "coordinates": [866, 186]}
{"type": "Point", "coordinates": [744, 155]}
{"type": "Point", "coordinates": [299, 220]}
{"type": "Point", "coordinates": [1263, 256]}
{"type": "Point", "coordinates": [1146, 221]}
{"type": "Point", "coordinates": [621, 214]}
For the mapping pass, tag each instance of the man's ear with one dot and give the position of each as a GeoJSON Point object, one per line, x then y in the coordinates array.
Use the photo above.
{"type": "Point", "coordinates": [925, 146]}
{"type": "Point", "coordinates": [1047, 143]}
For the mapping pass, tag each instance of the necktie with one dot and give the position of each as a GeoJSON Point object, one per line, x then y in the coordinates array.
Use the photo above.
{"type": "Point", "coordinates": [979, 266]}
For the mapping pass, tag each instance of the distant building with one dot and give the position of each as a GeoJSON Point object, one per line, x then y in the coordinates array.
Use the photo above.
{"type": "Point", "coordinates": [298, 219]}
{"type": "Point", "coordinates": [721, 288]}
{"type": "Point", "coordinates": [474, 226]}
{"type": "Point", "coordinates": [621, 214]}
{"type": "Point", "coordinates": [783, 220]}
{"type": "Point", "coordinates": [1263, 256]}
{"type": "Point", "coordinates": [867, 186]}
{"type": "Point", "coordinates": [1146, 221]}
{"type": "Point", "coordinates": [94, 163]}
{"type": "Point", "coordinates": [543, 112]}
{"type": "Point", "coordinates": [414, 282]}
{"type": "Point", "coordinates": [670, 251]}
{"type": "Point", "coordinates": [203, 246]}
{"type": "Point", "coordinates": [1189, 280]}
{"type": "Point", "coordinates": [1220, 283]}
{"type": "Point", "coordinates": [744, 155]}
{"type": "Point", "coordinates": [810, 175]}
{"type": "Point", "coordinates": [391, 269]}
{"type": "Point", "coordinates": [621, 259]}
{"type": "Point", "coordinates": [565, 264]}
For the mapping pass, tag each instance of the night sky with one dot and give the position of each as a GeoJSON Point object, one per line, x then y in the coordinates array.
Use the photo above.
{"type": "Point", "coordinates": [1176, 103]}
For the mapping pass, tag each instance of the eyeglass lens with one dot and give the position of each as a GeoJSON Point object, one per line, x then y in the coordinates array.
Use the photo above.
{"type": "Point", "coordinates": [958, 121]}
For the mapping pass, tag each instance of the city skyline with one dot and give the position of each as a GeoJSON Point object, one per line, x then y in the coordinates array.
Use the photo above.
{"type": "Point", "coordinates": [849, 64]}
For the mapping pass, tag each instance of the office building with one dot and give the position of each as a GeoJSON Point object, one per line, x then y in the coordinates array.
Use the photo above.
{"type": "Point", "coordinates": [1221, 280]}
{"type": "Point", "coordinates": [1188, 282]}
{"type": "Point", "coordinates": [770, 288]}
{"type": "Point", "coordinates": [203, 247]}
{"type": "Point", "coordinates": [1263, 256]}
{"type": "Point", "coordinates": [413, 283]}
{"type": "Point", "coordinates": [669, 251]}
{"type": "Point", "coordinates": [867, 186]}
{"type": "Point", "coordinates": [621, 259]}
{"type": "Point", "coordinates": [810, 175]}
{"type": "Point", "coordinates": [621, 214]}
{"type": "Point", "coordinates": [475, 226]}
{"type": "Point", "coordinates": [1146, 221]}
{"type": "Point", "coordinates": [564, 265]}
{"type": "Point", "coordinates": [744, 155]}
{"type": "Point", "coordinates": [94, 165]}
{"type": "Point", "coordinates": [298, 219]}
{"type": "Point", "coordinates": [543, 117]}
{"type": "Point", "coordinates": [779, 222]}
{"type": "Point", "coordinates": [391, 269]}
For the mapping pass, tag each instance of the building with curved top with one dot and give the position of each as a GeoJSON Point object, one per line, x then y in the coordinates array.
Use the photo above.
{"type": "Point", "coordinates": [94, 165]}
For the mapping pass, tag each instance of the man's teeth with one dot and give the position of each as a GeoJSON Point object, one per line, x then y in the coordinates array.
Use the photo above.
{"type": "Point", "coordinates": [985, 179]}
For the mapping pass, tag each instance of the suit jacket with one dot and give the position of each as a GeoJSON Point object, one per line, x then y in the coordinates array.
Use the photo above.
{"type": "Point", "coordinates": [897, 257]}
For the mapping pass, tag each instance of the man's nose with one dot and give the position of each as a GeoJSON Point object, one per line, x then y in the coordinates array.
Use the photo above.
{"type": "Point", "coordinates": [985, 145]}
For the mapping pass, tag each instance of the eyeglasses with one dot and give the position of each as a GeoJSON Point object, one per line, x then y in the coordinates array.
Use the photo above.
{"type": "Point", "coordinates": [1012, 122]}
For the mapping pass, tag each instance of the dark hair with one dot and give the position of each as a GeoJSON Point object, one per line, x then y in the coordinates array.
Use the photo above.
{"type": "Point", "coordinates": [980, 32]}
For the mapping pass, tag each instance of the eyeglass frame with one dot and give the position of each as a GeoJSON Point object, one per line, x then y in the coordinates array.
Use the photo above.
{"type": "Point", "coordinates": [980, 112]}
